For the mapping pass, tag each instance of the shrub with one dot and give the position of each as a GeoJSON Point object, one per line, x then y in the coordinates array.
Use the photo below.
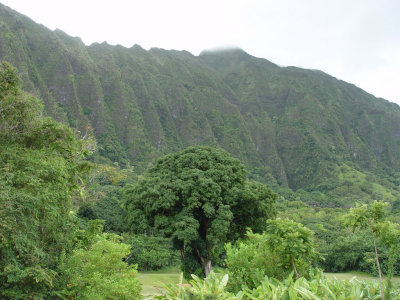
{"type": "Point", "coordinates": [151, 252]}
{"type": "Point", "coordinates": [99, 272]}
{"type": "Point", "coordinates": [248, 262]}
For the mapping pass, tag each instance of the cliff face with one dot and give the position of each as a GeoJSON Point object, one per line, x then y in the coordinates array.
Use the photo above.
{"type": "Point", "coordinates": [291, 125]}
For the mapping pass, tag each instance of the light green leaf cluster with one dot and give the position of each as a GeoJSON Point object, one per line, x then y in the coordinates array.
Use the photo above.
{"type": "Point", "coordinates": [373, 218]}
{"type": "Point", "coordinates": [293, 242]}
{"type": "Point", "coordinates": [318, 287]}
{"type": "Point", "coordinates": [212, 287]}
{"type": "Point", "coordinates": [366, 216]}
{"type": "Point", "coordinates": [285, 247]}
{"type": "Point", "coordinates": [99, 272]}
{"type": "Point", "coordinates": [248, 262]}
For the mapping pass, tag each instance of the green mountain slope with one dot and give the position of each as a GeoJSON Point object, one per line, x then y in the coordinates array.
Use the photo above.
{"type": "Point", "coordinates": [314, 120]}
{"type": "Point", "coordinates": [292, 127]}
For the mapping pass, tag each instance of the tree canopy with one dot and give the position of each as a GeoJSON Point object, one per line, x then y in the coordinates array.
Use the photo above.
{"type": "Point", "coordinates": [200, 198]}
{"type": "Point", "coordinates": [42, 164]}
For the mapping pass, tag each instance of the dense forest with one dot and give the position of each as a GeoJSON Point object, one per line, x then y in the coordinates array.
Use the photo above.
{"type": "Point", "coordinates": [251, 177]}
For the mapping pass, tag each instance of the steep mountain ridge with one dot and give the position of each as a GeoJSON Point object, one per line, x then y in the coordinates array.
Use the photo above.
{"type": "Point", "coordinates": [332, 119]}
{"type": "Point", "coordinates": [289, 125]}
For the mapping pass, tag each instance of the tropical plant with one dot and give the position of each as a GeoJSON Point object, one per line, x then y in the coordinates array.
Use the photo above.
{"type": "Point", "coordinates": [212, 287]}
{"type": "Point", "coordinates": [318, 287]}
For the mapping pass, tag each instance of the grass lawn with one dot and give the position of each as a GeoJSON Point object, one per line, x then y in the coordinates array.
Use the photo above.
{"type": "Point", "coordinates": [359, 276]}
{"type": "Point", "coordinates": [153, 281]}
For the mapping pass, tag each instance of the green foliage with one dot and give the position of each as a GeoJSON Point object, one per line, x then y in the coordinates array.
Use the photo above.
{"type": "Point", "coordinates": [103, 197]}
{"type": "Point", "coordinates": [366, 216]}
{"type": "Point", "coordinates": [99, 272]}
{"type": "Point", "coordinates": [372, 217]}
{"type": "Point", "coordinates": [318, 287]}
{"type": "Point", "coordinates": [291, 127]}
{"type": "Point", "coordinates": [151, 252]}
{"type": "Point", "coordinates": [257, 203]}
{"type": "Point", "coordinates": [42, 166]}
{"type": "Point", "coordinates": [212, 287]}
{"type": "Point", "coordinates": [285, 247]}
{"type": "Point", "coordinates": [389, 234]}
{"type": "Point", "coordinates": [342, 248]}
{"type": "Point", "coordinates": [20, 112]}
{"type": "Point", "coordinates": [193, 196]}
{"type": "Point", "coordinates": [350, 185]}
{"type": "Point", "coordinates": [347, 252]}
{"type": "Point", "coordinates": [293, 243]}
{"type": "Point", "coordinates": [9, 83]}
{"type": "Point", "coordinates": [250, 260]}
{"type": "Point", "coordinates": [107, 208]}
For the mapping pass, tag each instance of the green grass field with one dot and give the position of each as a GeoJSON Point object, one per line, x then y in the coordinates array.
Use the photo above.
{"type": "Point", "coordinates": [152, 282]}
{"type": "Point", "coordinates": [359, 276]}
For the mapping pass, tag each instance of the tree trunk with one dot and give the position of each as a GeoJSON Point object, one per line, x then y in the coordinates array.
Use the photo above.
{"type": "Point", "coordinates": [207, 267]}
{"type": "Point", "coordinates": [294, 269]}
{"type": "Point", "coordinates": [206, 263]}
{"type": "Point", "coordinates": [391, 261]}
{"type": "Point", "coordinates": [183, 253]}
{"type": "Point", "coordinates": [377, 264]}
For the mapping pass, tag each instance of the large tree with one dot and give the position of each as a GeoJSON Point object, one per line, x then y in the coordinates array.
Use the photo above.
{"type": "Point", "coordinates": [200, 198]}
{"type": "Point", "coordinates": [41, 165]}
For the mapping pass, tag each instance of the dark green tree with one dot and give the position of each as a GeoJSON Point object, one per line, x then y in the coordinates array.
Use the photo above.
{"type": "Point", "coordinates": [200, 198]}
{"type": "Point", "coordinates": [151, 252]}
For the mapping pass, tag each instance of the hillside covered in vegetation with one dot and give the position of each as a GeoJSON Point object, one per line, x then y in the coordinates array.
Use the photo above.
{"type": "Point", "coordinates": [292, 128]}
{"type": "Point", "coordinates": [253, 178]}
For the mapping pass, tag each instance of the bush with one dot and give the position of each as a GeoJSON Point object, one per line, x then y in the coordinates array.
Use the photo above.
{"type": "Point", "coordinates": [286, 246]}
{"type": "Point", "coordinates": [248, 262]}
{"type": "Point", "coordinates": [346, 252]}
{"type": "Point", "coordinates": [107, 209]}
{"type": "Point", "coordinates": [99, 272]}
{"type": "Point", "coordinates": [151, 252]}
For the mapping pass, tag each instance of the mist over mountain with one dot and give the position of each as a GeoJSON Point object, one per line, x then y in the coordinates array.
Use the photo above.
{"type": "Point", "coordinates": [292, 127]}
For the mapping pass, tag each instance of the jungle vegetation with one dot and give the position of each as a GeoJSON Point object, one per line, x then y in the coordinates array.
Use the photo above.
{"type": "Point", "coordinates": [137, 160]}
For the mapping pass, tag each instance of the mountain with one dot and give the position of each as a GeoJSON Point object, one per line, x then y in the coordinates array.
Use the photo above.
{"type": "Point", "coordinates": [292, 127]}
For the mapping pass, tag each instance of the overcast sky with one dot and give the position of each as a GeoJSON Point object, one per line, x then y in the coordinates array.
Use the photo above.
{"type": "Point", "coordinates": [354, 40]}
